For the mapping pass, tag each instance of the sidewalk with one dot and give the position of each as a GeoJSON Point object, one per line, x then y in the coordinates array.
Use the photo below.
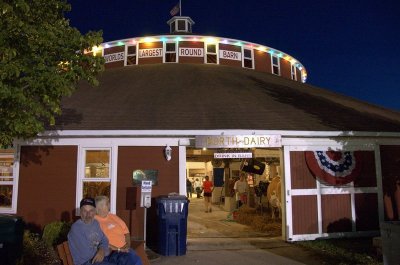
{"type": "Point", "coordinates": [212, 239]}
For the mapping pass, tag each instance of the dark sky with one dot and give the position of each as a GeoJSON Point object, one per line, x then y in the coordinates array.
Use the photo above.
{"type": "Point", "coordinates": [348, 46]}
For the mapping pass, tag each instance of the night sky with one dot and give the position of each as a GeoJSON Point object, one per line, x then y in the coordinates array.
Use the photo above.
{"type": "Point", "coordinates": [348, 46]}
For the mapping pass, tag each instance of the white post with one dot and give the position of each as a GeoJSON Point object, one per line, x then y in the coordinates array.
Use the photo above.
{"type": "Point", "coordinates": [144, 227]}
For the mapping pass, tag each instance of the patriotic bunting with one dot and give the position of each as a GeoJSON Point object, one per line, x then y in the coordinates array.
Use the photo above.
{"type": "Point", "coordinates": [334, 167]}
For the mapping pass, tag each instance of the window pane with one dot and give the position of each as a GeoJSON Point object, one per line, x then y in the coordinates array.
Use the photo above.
{"type": "Point", "coordinates": [247, 53]}
{"type": "Point", "coordinates": [5, 196]}
{"type": "Point", "coordinates": [170, 47]}
{"type": "Point", "coordinates": [132, 49]}
{"type": "Point", "coordinates": [93, 189]}
{"type": "Point", "coordinates": [211, 58]}
{"type": "Point", "coordinates": [131, 60]}
{"type": "Point", "coordinates": [248, 63]}
{"type": "Point", "coordinates": [275, 60]}
{"type": "Point", "coordinates": [276, 70]}
{"type": "Point", "coordinates": [211, 48]}
{"type": "Point", "coordinates": [6, 168]}
{"type": "Point", "coordinates": [170, 57]}
{"type": "Point", "coordinates": [97, 164]}
{"type": "Point", "coordinates": [173, 27]}
{"type": "Point", "coordinates": [181, 25]}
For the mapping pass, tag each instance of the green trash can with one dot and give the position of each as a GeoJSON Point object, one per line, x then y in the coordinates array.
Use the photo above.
{"type": "Point", "coordinates": [11, 236]}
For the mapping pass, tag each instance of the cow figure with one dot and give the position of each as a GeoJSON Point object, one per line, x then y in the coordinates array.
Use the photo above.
{"type": "Point", "coordinates": [274, 196]}
{"type": "Point", "coordinates": [275, 204]}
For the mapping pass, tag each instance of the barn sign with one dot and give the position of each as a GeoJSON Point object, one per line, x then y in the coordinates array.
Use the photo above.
{"type": "Point", "coordinates": [238, 141]}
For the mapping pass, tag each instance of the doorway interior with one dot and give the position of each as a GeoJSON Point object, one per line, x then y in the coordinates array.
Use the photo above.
{"type": "Point", "coordinates": [223, 171]}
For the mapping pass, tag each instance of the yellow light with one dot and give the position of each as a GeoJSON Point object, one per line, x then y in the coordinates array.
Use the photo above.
{"type": "Point", "coordinates": [195, 39]}
{"type": "Point", "coordinates": [262, 48]}
{"type": "Point", "coordinates": [287, 58]}
{"type": "Point", "coordinates": [149, 39]}
{"type": "Point", "coordinates": [210, 40]}
{"type": "Point", "coordinates": [96, 49]}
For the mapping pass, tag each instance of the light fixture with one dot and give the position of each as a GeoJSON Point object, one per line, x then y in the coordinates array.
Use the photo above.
{"type": "Point", "coordinates": [168, 153]}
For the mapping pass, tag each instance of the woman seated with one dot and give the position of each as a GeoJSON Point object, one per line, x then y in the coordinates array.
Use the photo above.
{"type": "Point", "coordinates": [116, 231]}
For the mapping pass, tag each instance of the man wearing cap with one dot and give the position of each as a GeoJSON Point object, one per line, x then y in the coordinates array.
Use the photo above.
{"type": "Point", "coordinates": [86, 240]}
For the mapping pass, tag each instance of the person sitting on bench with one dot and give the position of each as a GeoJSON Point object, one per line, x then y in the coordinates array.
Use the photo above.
{"type": "Point", "coordinates": [87, 242]}
{"type": "Point", "coordinates": [115, 230]}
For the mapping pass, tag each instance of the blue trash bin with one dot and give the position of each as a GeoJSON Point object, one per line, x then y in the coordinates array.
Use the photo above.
{"type": "Point", "coordinates": [172, 212]}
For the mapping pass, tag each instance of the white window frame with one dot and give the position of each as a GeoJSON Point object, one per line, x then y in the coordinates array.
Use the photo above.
{"type": "Point", "coordinates": [211, 53]}
{"type": "Point", "coordinates": [168, 52]}
{"type": "Point", "coordinates": [293, 72]}
{"type": "Point", "coordinates": [248, 58]}
{"type": "Point", "coordinates": [175, 28]}
{"type": "Point", "coordinates": [112, 175]}
{"type": "Point", "coordinates": [14, 182]}
{"type": "Point", "coordinates": [276, 65]}
{"type": "Point", "coordinates": [136, 54]}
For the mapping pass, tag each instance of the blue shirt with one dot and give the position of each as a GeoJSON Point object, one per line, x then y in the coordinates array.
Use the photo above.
{"type": "Point", "coordinates": [84, 240]}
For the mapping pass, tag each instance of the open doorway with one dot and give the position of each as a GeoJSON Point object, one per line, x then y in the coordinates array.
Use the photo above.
{"type": "Point", "coordinates": [260, 167]}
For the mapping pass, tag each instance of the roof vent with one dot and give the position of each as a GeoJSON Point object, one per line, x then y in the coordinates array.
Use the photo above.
{"type": "Point", "coordinates": [179, 24]}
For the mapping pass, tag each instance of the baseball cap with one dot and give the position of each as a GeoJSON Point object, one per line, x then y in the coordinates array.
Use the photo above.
{"type": "Point", "coordinates": [88, 201]}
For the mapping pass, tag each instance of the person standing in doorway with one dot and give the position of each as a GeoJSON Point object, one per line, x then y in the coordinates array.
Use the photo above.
{"type": "Point", "coordinates": [241, 188]}
{"type": "Point", "coordinates": [189, 188]}
{"type": "Point", "coordinates": [197, 187]}
{"type": "Point", "coordinates": [208, 188]}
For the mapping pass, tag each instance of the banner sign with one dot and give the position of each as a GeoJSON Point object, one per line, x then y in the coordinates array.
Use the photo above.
{"type": "Point", "coordinates": [114, 57]}
{"type": "Point", "coordinates": [146, 53]}
{"type": "Point", "coordinates": [192, 52]}
{"type": "Point", "coordinates": [230, 55]}
{"type": "Point", "coordinates": [238, 141]}
{"type": "Point", "coordinates": [232, 155]}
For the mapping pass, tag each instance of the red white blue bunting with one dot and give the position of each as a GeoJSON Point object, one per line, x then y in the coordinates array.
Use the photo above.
{"type": "Point", "coordinates": [334, 167]}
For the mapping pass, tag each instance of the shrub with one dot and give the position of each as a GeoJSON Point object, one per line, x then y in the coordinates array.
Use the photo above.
{"type": "Point", "coordinates": [36, 251]}
{"type": "Point", "coordinates": [55, 233]}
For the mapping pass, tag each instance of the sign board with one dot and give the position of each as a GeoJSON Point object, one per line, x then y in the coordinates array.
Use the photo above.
{"type": "Point", "coordinates": [232, 155]}
{"type": "Point", "coordinates": [146, 53]}
{"type": "Point", "coordinates": [146, 185]}
{"type": "Point", "coordinates": [230, 55]}
{"type": "Point", "coordinates": [114, 57]}
{"type": "Point", "coordinates": [238, 141]}
{"type": "Point", "coordinates": [192, 52]}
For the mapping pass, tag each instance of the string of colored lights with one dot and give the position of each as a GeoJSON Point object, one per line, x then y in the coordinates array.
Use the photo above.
{"type": "Point", "coordinates": [206, 39]}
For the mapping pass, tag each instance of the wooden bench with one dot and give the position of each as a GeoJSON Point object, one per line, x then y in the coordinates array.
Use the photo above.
{"type": "Point", "coordinates": [66, 258]}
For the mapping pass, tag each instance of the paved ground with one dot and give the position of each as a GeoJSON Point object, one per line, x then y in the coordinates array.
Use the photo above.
{"type": "Point", "coordinates": [214, 239]}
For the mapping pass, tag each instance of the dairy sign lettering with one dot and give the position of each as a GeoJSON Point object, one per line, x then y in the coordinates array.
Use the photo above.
{"type": "Point", "coordinates": [146, 53]}
{"type": "Point", "coordinates": [230, 55]}
{"type": "Point", "coordinates": [114, 57]}
{"type": "Point", "coordinates": [238, 141]}
{"type": "Point", "coordinates": [192, 52]}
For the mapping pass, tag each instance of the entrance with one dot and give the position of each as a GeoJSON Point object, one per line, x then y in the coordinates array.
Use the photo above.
{"type": "Point", "coordinates": [260, 168]}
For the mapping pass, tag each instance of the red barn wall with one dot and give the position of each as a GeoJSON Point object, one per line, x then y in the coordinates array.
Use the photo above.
{"type": "Point", "coordinates": [132, 158]}
{"type": "Point", "coordinates": [47, 184]}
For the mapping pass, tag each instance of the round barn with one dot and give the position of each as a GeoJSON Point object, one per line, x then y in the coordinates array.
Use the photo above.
{"type": "Point", "coordinates": [181, 105]}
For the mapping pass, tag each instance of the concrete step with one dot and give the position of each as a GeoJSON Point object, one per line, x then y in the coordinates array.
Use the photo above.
{"type": "Point", "coordinates": [233, 243]}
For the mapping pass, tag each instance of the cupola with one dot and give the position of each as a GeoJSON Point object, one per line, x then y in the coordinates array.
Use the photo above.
{"type": "Point", "coordinates": [179, 24]}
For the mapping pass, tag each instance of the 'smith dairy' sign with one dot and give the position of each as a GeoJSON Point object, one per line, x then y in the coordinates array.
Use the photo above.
{"type": "Point", "coordinates": [230, 55]}
{"type": "Point", "coordinates": [192, 52]}
{"type": "Point", "coordinates": [146, 53]}
{"type": "Point", "coordinates": [238, 141]}
{"type": "Point", "coordinates": [114, 57]}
